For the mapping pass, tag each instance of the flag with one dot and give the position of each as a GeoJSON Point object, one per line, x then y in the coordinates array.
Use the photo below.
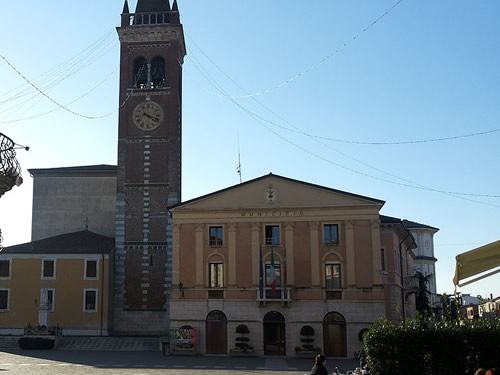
{"type": "Point", "coordinates": [272, 274]}
{"type": "Point", "coordinates": [261, 276]}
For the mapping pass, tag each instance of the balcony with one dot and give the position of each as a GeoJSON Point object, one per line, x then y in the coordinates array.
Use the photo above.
{"type": "Point", "coordinates": [281, 295]}
{"type": "Point", "coordinates": [410, 283]}
{"type": "Point", "coordinates": [10, 171]}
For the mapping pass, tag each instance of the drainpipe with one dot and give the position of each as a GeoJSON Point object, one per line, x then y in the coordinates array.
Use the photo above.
{"type": "Point", "coordinates": [102, 290]}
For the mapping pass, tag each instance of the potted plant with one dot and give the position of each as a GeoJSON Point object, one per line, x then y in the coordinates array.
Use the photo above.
{"type": "Point", "coordinates": [242, 346]}
{"type": "Point", "coordinates": [307, 349]}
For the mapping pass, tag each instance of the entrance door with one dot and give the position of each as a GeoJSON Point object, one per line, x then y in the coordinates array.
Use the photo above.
{"type": "Point", "coordinates": [274, 334]}
{"type": "Point", "coordinates": [216, 331]}
{"type": "Point", "coordinates": [334, 335]}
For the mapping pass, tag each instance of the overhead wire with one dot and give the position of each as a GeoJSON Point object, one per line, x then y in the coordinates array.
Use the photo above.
{"type": "Point", "coordinates": [262, 121]}
{"type": "Point", "coordinates": [322, 61]}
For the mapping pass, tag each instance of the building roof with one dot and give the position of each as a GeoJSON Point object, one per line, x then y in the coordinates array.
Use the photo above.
{"type": "Point", "coordinates": [407, 223]}
{"type": "Point", "coordinates": [414, 225]}
{"type": "Point", "coordinates": [145, 6]}
{"type": "Point", "coordinates": [286, 179]}
{"type": "Point", "coordinates": [83, 242]}
{"type": "Point", "coordinates": [90, 170]}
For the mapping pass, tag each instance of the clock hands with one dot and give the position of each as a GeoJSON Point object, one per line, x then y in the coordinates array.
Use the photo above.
{"type": "Point", "coordinates": [152, 118]}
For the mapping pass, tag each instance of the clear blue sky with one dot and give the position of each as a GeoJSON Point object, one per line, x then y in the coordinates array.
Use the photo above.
{"type": "Point", "coordinates": [426, 70]}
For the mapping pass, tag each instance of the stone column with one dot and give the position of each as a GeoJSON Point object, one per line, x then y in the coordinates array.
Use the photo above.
{"type": "Point", "coordinates": [315, 271]}
{"type": "Point", "coordinates": [349, 254]}
{"type": "Point", "coordinates": [199, 255]}
{"type": "Point", "coordinates": [255, 238]}
{"type": "Point", "coordinates": [289, 254]}
{"type": "Point", "coordinates": [231, 239]}
{"type": "Point", "coordinates": [377, 260]}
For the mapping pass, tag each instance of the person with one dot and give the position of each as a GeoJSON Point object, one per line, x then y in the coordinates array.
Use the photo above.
{"type": "Point", "coordinates": [319, 366]}
{"type": "Point", "coordinates": [480, 371]}
{"type": "Point", "coordinates": [493, 371]}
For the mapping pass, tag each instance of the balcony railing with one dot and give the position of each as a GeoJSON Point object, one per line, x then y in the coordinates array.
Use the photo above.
{"type": "Point", "coordinates": [150, 18]}
{"type": "Point", "coordinates": [10, 171]}
{"type": "Point", "coordinates": [280, 295]}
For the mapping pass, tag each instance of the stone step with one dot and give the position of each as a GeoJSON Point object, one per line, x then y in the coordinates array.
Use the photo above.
{"type": "Point", "coordinates": [109, 343]}
{"type": "Point", "coordinates": [9, 343]}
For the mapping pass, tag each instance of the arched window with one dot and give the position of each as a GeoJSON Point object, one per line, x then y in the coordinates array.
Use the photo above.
{"type": "Point", "coordinates": [140, 72]}
{"type": "Point", "coordinates": [158, 72]}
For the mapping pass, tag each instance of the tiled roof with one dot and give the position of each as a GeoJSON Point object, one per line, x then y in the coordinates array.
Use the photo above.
{"type": "Point", "coordinates": [83, 242]}
{"type": "Point", "coordinates": [413, 225]}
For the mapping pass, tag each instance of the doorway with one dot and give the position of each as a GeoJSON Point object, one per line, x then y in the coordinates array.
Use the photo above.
{"type": "Point", "coordinates": [274, 334]}
{"type": "Point", "coordinates": [216, 332]}
{"type": "Point", "coordinates": [334, 335]}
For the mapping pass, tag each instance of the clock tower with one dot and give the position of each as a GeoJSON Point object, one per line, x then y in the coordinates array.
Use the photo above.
{"type": "Point", "coordinates": [152, 50]}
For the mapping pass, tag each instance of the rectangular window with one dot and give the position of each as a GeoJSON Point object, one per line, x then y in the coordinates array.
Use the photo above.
{"type": "Point", "coordinates": [216, 275]}
{"type": "Point", "coordinates": [330, 234]}
{"type": "Point", "coordinates": [5, 269]}
{"type": "Point", "coordinates": [272, 233]}
{"type": "Point", "coordinates": [4, 299]}
{"type": "Point", "coordinates": [91, 268]}
{"type": "Point", "coordinates": [90, 300]}
{"type": "Point", "coordinates": [48, 269]}
{"type": "Point", "coordinates": [382, 259]}
{"type": "Point", "coordinates": [332, 276]}
{"type": "Point", "coordinates": [50, 298]}
{"type": "Point", "coordinates": [216, 235]}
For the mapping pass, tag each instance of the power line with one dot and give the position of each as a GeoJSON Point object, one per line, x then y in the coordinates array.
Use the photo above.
{"type": "Point", "coordinates": [262, 121]}
{"type": "Point", "coordinates": [321, 62]}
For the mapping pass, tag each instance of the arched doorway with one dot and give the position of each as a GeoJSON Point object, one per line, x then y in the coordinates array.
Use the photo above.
{"type": "Point", "coordinates": [216, 332]}
{"type": "Point", "coordinates": [274, 334]}
{"type": "Point", "coordinates": [334, 335]}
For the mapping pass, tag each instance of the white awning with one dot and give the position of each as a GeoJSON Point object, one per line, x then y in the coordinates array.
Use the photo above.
{"type": "Point", "coordinates": [477, 261]}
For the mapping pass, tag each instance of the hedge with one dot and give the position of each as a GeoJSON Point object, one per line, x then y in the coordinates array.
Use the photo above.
{"type": "Point", "coordinates": [425, 347]}
{"type": "Point", "coordinates": [36, 343]}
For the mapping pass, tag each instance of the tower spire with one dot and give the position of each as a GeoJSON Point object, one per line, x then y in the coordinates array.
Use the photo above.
{"type": "Point", "coordinates": [125, 8]}
{"type": "Point", "coordinates": [175, 7]}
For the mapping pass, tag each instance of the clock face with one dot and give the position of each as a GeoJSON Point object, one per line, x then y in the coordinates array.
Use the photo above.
{"type": "Point", "coordinates": [148, 115]}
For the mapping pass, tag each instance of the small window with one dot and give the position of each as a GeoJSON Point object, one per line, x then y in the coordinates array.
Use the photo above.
{"type": "Point", "coordinates": [48, 269]}
{"type": "Point", "coordinates": [272, 233]}
{"type": "Point", "coordinates": [4, 268]}
{"type": "Point", "coordinates": [4, 299]}
{"type": "Point", "coordinates": [91, 268]}
{"type": "Point", "coordinates": [332, 276]}
{"type": "Point", "coordinates": [216, 275]}
{"type": "Point", "coordinates": [216, 235]}
{"type": "Point", "coordinates": [90, 300]}
{"type": "Point", "coordinates": [330, 234]}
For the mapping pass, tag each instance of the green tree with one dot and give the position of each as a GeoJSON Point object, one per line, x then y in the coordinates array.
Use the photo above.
{"type": "Point", "coordinates": [422, 300]}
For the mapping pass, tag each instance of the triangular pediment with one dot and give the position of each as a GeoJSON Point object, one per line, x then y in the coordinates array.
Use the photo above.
{"type": "Point", "coordinates": [273, 191]}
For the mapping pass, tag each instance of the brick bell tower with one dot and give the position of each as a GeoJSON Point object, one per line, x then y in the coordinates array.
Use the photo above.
{"type": "Point", "coordinates": [149, 164]}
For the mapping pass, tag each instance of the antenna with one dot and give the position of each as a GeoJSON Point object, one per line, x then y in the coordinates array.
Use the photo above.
{"type": "Point", "coordinates": [238, 168]}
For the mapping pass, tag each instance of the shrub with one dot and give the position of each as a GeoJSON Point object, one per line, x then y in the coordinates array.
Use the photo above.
{"type": "Point", "coordinates": [427, 346]}
{"type": "Point", "coordinates": [36, 343]}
